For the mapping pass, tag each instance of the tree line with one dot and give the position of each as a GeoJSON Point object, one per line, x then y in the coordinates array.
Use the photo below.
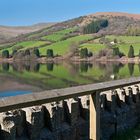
{"type": "Point", "coordinates": [95, 26]}
{"type": "Point", "coordinates": [83, 53]}
{"type": "Point", "coordinates": [28, 52]}
{"type": "Point", "coordinates": [131, 52]}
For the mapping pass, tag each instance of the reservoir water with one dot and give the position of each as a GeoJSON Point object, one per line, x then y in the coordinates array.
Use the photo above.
{"type": "Point", "coordinates": [27, 77]}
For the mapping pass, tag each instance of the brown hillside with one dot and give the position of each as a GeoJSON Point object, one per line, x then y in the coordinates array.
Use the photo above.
{"type": "Point", "coordinates": [115, 14]}
{"type": "Point", "coordinates": [8, 32]}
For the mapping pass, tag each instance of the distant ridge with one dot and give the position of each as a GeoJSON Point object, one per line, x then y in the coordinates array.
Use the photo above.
{"type": "Point", "coordinates": [119, 24]}
{"type": "Point", "coordinates": [8, 32]}
{"type": "Point", "coordinates": [114, 14]}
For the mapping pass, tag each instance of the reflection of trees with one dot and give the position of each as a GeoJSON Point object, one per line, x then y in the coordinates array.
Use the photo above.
{"type": "Point", "coordinates": [90, 65]}
{"type": "Point", "coordinates": [15, 67]}
{"type": "Point", "coordinates": [5, 66]}
{"type": "Point", "coordinates": [102, 66]}
{"type": "Point", "coordinates": [116, 68]}
{"type": "Point", "coordinates": [50, 66]}
{"type": "Point", "coordinates": [131, 68]}
{"type": "Point", "coordinates": [73, 68]}
{"type": "Point", "coordinates": [37, 67]}
{"type": "Point", "coordinates": [139, 66]}
{"type": "Point", "coordinates": [84, 67]}
{"type": "Point", "coordinates": [27, 67]}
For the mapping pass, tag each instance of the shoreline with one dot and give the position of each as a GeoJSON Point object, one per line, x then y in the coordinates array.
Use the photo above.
{"type": "Point", "coordinates": [43, 60]}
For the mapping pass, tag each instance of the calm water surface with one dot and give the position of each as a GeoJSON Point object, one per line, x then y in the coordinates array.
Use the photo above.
{"type": "Point", "coordinates": [24, 78]}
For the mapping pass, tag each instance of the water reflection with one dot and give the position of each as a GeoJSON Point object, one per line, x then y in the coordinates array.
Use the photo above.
{"type": "Point", "coordinates": [51, 75]}
{"type": "Point", "coordinates": [50, 66]}
{"type": "Point", "coordinates": [37, 67]}
{"type": "Point", "coordinates": [5, 66]}
{"type": "Point", "coordinates": [131, 68]}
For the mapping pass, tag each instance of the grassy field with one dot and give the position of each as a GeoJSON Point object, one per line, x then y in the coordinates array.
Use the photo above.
{"type": "Point", "coordinates": [95, 48]}
{"type": "Point", "coordinates": [57, 36]}
{"type": "Point", "coordinates": [125, 39]}
{"type": "Point", "coordinates": [26, 45]}
{"type": "Point", "coordinates": [124, 43]}
{"type": "Point", "coordinates": [62, 47]}
{"type": "Point", "coordinates": [125, 48]}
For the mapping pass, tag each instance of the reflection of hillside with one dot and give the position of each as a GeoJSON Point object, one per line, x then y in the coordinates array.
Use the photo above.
{"type": "Point", "coordinates": [51, 75]}
{"type": "Point", "coordinates": [28, 66]}
{"type": "Point", "coordinates": [10, 84]}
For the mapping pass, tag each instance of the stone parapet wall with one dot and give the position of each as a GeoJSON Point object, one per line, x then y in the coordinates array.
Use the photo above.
{"type": "Point", "coordinates": [64, 120]}
{"type": "Point", "coordinates": [69, 119]}
{"type": "Point", "coordinates": [120, 110]}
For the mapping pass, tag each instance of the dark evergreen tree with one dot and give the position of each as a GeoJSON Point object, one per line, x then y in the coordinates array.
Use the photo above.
{"type": "Point", "coordinates": [90, 54]}
{"type": "Point", "coordinates": [5, 54]}
{"type": "Point", "coordinates": [116, 51]}
{"type": "Point", "coordinates": [95, 26]}
{"type": "Point", "coordinates": [36, 52]}
{"type": "Point", "coordinates": [50, 53]}
{"type": "Point", "coordinates": [103, 23]}
{"type": "Point", "coordinates": [84, 53]}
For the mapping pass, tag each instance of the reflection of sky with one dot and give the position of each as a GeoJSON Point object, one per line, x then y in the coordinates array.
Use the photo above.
{"type": "Point", "coordinates": [25, 12]}
{"type": "Point", "coordinates": [12, 93]}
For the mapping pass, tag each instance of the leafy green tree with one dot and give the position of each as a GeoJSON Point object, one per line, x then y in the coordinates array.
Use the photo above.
{"type": "Point", "coordinates": [84, 53]}
{"type": "Point", "coordinates": [50, 53]}
{"type": "Point", "coordinates": [116, 51]}
{"type": "Point", "coordinates": [131, 52]}
{"type": "Point", "coordinates": [36, 52]}
{"type": "Point", "coordinates": [5, 54]}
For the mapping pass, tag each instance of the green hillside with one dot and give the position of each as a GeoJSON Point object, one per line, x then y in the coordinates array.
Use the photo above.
{"type": "Point", "coordinates": [59, 37]}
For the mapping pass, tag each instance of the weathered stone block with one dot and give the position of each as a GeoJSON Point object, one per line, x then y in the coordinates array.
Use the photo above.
{"type": "Point", "coordinates": [8, 128]}
{"type": "Point", "coordinates": [54, 115]}
{"type": "Point", "coordinates": [35, 121]}
{"type": "Point", "coordinates": [72, 111]}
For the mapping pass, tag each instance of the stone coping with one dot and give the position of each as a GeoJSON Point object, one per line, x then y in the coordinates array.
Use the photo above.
{"type": "Point", "coordinates": [28, 100]}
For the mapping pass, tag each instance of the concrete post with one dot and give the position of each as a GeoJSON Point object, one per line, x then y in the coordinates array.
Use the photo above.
{"type": "Point", "coordinates": [95, 116]}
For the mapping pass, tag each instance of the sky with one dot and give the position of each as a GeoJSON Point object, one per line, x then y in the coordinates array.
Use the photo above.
{"type": "Point", "coordinates": [28, 12]}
